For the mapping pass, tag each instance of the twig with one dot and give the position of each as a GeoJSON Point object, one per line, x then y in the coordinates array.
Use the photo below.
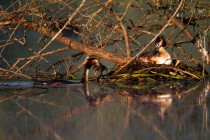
{"type": "Point", "coordinates": [53, 38]}
{"type": "Point", "coordinates": [124, 30]}
{"type": "Point", "coordinates": [78, 67]}
{"type": "Point", "coordinates": [166, 25]}
{"type": "Point", "coordinates": [128, 51]}
{"type": "Point", "coordinates": [16, 73]}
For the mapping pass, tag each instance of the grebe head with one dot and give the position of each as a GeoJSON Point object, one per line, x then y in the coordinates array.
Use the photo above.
{"type": "Point", "coordinates": [92, 62]}
{"type": "Point", "coordinates": [160, 42]}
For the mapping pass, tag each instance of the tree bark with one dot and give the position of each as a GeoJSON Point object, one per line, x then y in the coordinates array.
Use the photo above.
{"type": "Point", "coordinates": [92, 51]}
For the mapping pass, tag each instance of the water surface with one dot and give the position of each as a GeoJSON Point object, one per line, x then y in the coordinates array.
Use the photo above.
{"type": "Point", "coordinates": [111, 111]}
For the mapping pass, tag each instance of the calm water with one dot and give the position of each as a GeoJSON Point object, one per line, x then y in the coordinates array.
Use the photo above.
{"type": "Point", "coordinates": [163, 111]}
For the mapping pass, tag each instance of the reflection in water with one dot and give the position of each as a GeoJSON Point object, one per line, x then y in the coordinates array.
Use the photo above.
{"type": "Point", "coordinates": [161, 102]}
{"type": "Point", "coordinates": [105, 112]}
{"type": "Point", "coordinates": [96, 97]}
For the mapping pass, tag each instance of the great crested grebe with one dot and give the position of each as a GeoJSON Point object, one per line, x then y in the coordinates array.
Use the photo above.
{"type": "Point", "coordinates": [158, 57]}
{"type": "Point", "coordinates": [90, 62]}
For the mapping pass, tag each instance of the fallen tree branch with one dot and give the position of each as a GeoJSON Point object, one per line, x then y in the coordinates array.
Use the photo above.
{"type": "Point", "coordinates": [98, 52]}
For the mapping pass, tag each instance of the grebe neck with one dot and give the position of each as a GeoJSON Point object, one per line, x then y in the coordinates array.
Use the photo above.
{"type": "Point", "coordinates": [85, 75]}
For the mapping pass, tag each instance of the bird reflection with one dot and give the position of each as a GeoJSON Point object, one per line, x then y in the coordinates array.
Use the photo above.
{"type": "Point", "coordinates": [95, 99]}
{"type": "Point", "coordinates": [159, 100]}
{"type": "Point", "coordinates": [162, 102]}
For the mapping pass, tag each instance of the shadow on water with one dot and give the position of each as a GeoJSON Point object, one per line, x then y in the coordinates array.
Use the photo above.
{"type": "Point", "coordinates": [164, 111]}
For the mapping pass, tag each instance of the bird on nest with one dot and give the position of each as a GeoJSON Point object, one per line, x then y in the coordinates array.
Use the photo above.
{"type": "Point", "coordinates": [160, 56]}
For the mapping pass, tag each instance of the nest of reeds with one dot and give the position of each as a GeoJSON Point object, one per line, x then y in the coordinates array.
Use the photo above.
{"type": "Point", "coordinates": [139, 71]}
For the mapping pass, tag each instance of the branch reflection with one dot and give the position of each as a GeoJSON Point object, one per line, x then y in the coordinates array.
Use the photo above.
{"type": "Point", "coordinates": [163, 110]}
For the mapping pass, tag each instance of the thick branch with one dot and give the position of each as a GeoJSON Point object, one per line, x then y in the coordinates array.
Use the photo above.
{"type": "Point", "coordinates": [72, 44]}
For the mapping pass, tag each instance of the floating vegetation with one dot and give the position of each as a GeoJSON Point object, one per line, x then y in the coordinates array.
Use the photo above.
{"type": "Point", "coordinates": [138, 71]}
